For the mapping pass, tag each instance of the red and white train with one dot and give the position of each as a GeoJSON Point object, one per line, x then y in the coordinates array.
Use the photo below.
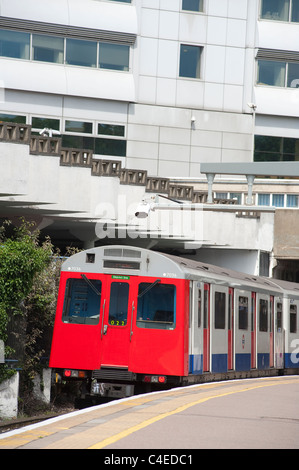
{"type": "Point", "coordinates": [130, 320]}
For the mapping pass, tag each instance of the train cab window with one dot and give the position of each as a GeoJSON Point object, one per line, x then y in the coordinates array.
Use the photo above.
{"type": "Point", "coordinates": [263, 317]}
{"type": "Point", "coordinates": [156, 306]}
{"type": "Point", "coordinates": [243, 313]}
{"type": "Point", "coordinates": [293, 318]}
{"type": "Point", "coordinates": [220, 310]}
{"type": "Point", "coordinates": [118, 308]}
{"type": "Point", "coordinates": [82, 301]}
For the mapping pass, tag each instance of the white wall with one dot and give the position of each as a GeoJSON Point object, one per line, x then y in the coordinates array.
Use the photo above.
{"type": "Point", "coordinates": [153, 102]}
{"type": "Point", "coordinates": [221, 31]}
{"type": "Point", "coordinates": [9, 390]}
{"type": "Point", "coordinates": [163, 141]}
{"type": "Point", "coordinates": [245, 261]}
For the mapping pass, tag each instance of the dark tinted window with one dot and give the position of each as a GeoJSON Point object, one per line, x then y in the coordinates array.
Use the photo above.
{"type": "Point", "coordinates": [156, 306]}
{"type": "Point", "coordinates": [82, 301]}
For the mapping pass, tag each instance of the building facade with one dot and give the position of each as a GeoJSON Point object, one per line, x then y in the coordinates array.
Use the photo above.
{"type": "Point", "coordinates": [162, 85]}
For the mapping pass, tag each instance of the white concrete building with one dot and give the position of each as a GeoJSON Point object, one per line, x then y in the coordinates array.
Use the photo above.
{"type": "Point", "coordinates": [156, 86]}
{"type": "Point", "coordinates": [145, 68]}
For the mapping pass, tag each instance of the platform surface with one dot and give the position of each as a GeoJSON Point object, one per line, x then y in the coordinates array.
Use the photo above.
{"type": "Point", "coordinates": [253, 413]}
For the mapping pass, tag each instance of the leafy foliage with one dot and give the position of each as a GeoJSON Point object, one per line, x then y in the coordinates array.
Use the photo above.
{"type": "Point", "coordinates": [22, 259]}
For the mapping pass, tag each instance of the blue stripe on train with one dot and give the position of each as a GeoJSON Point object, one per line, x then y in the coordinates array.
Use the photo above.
{"type": "Point", "coordinates": [195, 364]}
{"type": "Point", "coordinates": [219, 363]}
{"type": "Point", "coordinates": [263, 361]}
{"type": "Point", "coordinates": [291, 360]}
{"type": "Point", "coordinates": [242, 362]}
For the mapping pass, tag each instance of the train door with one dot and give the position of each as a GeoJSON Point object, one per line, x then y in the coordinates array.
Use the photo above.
{"type": "Point", "coordinates": [291, 318]}
{"type": "Point", "coordinates": [206, 328]}
{"type": "Point", "coordinates": [116, 321]}
{"type": "Point", "coordinates": [243, 334]}
{"type": "Point", "coordinates": [160, 327]}
{"type": "Point", "coordinates": [263, 331]}
{"type": "Point", "coordinates": [75, 343]}
{"type": "Point", "coordinates": [253, 330]}
{"type": "Point", "coordinates": [195, 329]}
{"type": "Point", "coordinates": [230, 352]}
{"type": "Point", "coordinates": [219, 332]}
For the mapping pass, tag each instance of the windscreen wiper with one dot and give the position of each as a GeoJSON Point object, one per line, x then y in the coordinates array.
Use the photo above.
{"type": "Point", "coordinates": [90, 284]}
{"type": "Point", "coordinates": [148, 288]}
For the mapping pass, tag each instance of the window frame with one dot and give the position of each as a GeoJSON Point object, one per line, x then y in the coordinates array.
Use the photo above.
{"type": "Point", "coordinates": [117, 69]}
{"type": "Point", "coordinates": [220, 313]}
{"type": "Point", "coordinates": [266, 196]}
{"type": "Point", "coordinates": [243, 314]}
{"type": "Point", "coordinates": [289, 15]}
{"type": "Point", "coordinates": [188, 10]}
{"type": "Point", "coordinates": [279, 316]}
{"type": "Point", "coordinates": [274, 148]}
{"type": "Point", "coordinates": [69, 297]}
{"type": "Point", "coordinates": [99, 144]}
{"type": "Point", "coordinates": [12, 117]}
{"type": "Point", "coordinates": [263, 318]}
{"type": "Point", "coordinates": [293, 318]}
{"type": "Point", "coordinates": [295, 198]}
{"type": "Point", "coordinates": [122, 1]}
{"type": "Point", "coordinates": [286, 80]}
{"type": "Point", "coordinates": [79, 131]}
{"type": "Point", "coordinates": [27, 44]}
{"type": "Point", "coordinates": [111, 125]}
{"type": "Point", "coordinates": [113, 298]}
{"type": "Point", "coordinates": [268, 61]}
{"type": "Point", "coordinates": [84, 42]}
{"type": "Point", "coordinates": [67, 41]}
{"type": "Point", "coordinates": [199, 64]}
{"type": "Point", "coordinates": [153, 324]}
{"type": "Point", "coordinates": [43, 125]}
{"type": "Point", "coordinates": [32, 48]}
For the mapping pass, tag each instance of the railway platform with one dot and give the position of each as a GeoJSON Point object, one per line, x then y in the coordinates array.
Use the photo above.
{"type": "Point", "coordinates": [258, 413]}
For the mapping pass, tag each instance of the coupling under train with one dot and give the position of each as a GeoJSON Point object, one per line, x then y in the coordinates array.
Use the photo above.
{"type": "Point", "coordinates": [131, 320]}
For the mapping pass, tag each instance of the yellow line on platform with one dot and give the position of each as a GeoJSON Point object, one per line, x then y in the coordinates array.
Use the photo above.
{"type": "Point", "coordinates": [111, 440]}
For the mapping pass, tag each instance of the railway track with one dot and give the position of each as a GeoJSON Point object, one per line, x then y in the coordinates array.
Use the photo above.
{"type": "Point", "coordinates": [10, 425]}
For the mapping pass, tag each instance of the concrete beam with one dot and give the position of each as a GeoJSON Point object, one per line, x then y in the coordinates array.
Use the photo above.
{"type": "Point", "coordinates": [279, 169]}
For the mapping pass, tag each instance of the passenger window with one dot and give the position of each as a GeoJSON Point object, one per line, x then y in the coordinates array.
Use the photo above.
{"type": "Point", "coordinates": [279, 316]}
{"type": "Point", "coordinates": [156, 306]}
{"type": "Point", "coordinates": [82, 301]}
{"type": "Point", "coordinates": [220, 310]}
{"type": "Point", "coordinates": [293, 318]}
{"type": "Point", "coordinates": [230, 311]}
{"type": "Point", "coordinates": [263, 321]}
{"type": "Point", "coordinates": [199, 309]}
{"type": "Point", "coordinates": [205, 308]}
{"type": "Point", "coordinates": [243, 313]}
{"type": "Point", "coordinates": [118, 308]}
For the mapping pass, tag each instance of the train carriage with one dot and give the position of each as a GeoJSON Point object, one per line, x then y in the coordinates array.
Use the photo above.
{"type": "Point", "coordinates": [287, 324]}
{"type": "Point", "coordinates": [129, 319]}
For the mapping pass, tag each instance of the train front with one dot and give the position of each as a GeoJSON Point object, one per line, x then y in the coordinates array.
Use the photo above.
{"type": "Point", "coordinates": [121, 323]}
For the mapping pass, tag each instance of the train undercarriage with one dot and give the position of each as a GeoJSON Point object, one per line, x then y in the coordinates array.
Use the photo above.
{"type": "Point", "coordinates": [107, 384]}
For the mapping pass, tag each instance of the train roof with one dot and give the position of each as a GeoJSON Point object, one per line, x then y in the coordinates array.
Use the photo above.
{"type": "Point", "coordinates": [123, 260]}
{"type": "Point", "coordinates": [190, 265]}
